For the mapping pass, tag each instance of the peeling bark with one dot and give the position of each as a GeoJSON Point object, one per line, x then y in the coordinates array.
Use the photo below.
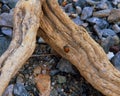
{"type": "Point", "coordinates": [58, 31]}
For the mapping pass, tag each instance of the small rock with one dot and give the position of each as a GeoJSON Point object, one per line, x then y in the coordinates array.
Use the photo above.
{"type": "Point", "coordinates": [102, 5]}
{"type": "Point", "coordinates": [114, 15]}
{"type": "Point", "coordinates": [116, 40]}
{"type": "Point", "coordinates": [6, 19]}
{"type": "Point", "coordinates": [37, 71]}
{"type": "Point", "coordinates": [77, 21]}
{"type": "Point", "coordinates": [20, 79]}
{"type": "Point", "coordinates": [78, 10]}
{"type": "Point", "coordinates": [43, 84]}
{"type": "Point", "coordinates": [115, 49]}
{"type": "Point", "coordinates": [116, 61]}
{"type": "Point", "coordinates": [116, 28]}
{"type": "Point", "coordinates": [9, 91]}
{"type": "Point", "coordinates": [65, 66]}
{"type": "Point", "coordinates": [92, 2]}
{"type": "Point", "coordinates": [12, 3]}
{"type": "Point", "coordinates": [99, 22]}
{"type": "Point", "coordinates": [80, 3]}
{"type": "Point", "coordinates": [86, 12]}
{"type": "Point", "coordinates": [54, 92]}
{"type": "Point", "coordinates": [107, 43]}
{"type": "Point", "coordinates": [115, 2]}
{"type": "Point", "coordinates": [107, 32]}
{"type": "Point", "coordinates": [5, 8]}
{"type": "Point", "coordinates": [4, 43]}
{"type": "Point", "coordinates": [61, 79]}
{"type": "Point", "coordinates": [110, 55]}
{"type": "Point", "coordinates": [40, 40]}
{"type": "Point", "coordinates": [69, 8]}
{"type": "Point", "coordinates": [7, 31]}
{"type": "Point", "coordinates": [54, 72]}
{"type": "Point", "coordinates": [102, 13]}
{"type": "Point", "coordinates": [19, 90]}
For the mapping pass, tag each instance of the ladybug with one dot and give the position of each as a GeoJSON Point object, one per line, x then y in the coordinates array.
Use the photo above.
{"type": "Point", "coordinates": [66, 49]}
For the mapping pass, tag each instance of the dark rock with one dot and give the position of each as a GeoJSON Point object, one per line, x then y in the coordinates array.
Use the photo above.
{"type": "Point", "coordinates": [4, 1]}
{"type": "Point", "coordinates": [5, 8]}
{"type": "Point", "coordinates": [6, 19]}
{"type": "Point", "coordinates": [20, 79]}
{"type": "Point", "coordinates": [69, 8]}
{"type": "Point", "coordinates": [99, 22]}
{"type": "Point", "coordinates": [107, 43]}
{"type": "Point", "coordinates": [116, 61]}
{"type": "Point", "coordinates": [9, 91]}
{"type": "Point", "coordinates": [54, 72]}
{"type": "Point", "coordinates": [65, 66]}
{"type": "Point", "coordinates": [86, 12]}
{"type": "Point", "coordinates": [61, 79]}
{"type": "Point", "coordinates": [92, 2]}
{"type": "Point", "coordinates": [102, 5]}
{"type": "Point", "coordinates": [81, 3]}
{"type": "Point", "coordinates": [78, 10]}
{"type": "Point", "coordinates": [4, 43]}
{"type": "Point", "coordinates": [77, 20]}
{"type": "Point", "coordinates": [12, 3]}
{"type": "Point", "coordinates": [107, 32]}
{"type": "Point", "coordinates": [102, 13]}
{"type": "Point", "coordinates": [114, 15]}
{"type": "Point", "coordinates": [115, 49]}
{"type": "Point", "coordinates": [19, 90]}
{"type": "Point", "coordinates": [54, 92]}
{"type": "Point", "coordinates": [7, 31]}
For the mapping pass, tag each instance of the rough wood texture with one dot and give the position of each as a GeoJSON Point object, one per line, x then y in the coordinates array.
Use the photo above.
{"type": "Point", "coordinates": [26, 23]}
{"type": "Point", "coordinates": [58, 31]}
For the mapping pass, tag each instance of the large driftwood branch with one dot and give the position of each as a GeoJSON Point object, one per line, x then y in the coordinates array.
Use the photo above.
{"type": "Point", "coordinates": [26, 23]}
{"type": "Point", "coordinates": [69, 40]}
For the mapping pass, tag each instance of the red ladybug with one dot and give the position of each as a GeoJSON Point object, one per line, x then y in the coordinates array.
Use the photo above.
{"type": "Point", "coordinates": [66, 49]}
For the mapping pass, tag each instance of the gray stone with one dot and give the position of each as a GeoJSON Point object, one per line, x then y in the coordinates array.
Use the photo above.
{"type": "Point", "coordinates": [4, 43]}
{"type": "Point", "coordinates": [102, 13]}
{"type": "Point", "coordinates": [116, 28]}
{"type": "Point", "coordinates": [65, 66]}
{"type": "Point", "coordinates": [20, 79]}
{"type": "Point", "coordinates": [12, 3]}
{"type": "Point", "coordinates": [116, 61]}
{"type": "Point", "coordinates": [114, 15]}
{"type": "Point", "coordinates": [77, 21]}
{"type": "Point", "coordinates": [92, 2]}
{"type": "Point", "coordinates": [86, 12]}
{"type": "Point", "coordinates": [69, 8]}
{"type": "Point", "coordinates": [54, 92]}
{"type": "Point", "coordinates": [78, 10]}
{"type": "Point", "coordinates": [6, 19]}
{"type": "Point", "coordinates": [9, 91]}
{"type": "Point", "coordinates": [102, 5]}
{"type": "Point", "coordinates": [107, 43]}
{"type": "Point", "coordinates": [61, 79]}
{"type": "Point", "coordinates": [99, 22]}
{"type": "Point", "coordinates": [5, 8]}
{"type": "Point", "coordinates": [7, 31]}
{"type": "Point", "coordinates": [107, 32]}
{"type": "Point", "coordinates": [19, 90]}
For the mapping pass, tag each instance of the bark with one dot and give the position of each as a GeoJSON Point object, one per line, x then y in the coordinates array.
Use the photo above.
{"type": "Point", "coordinates": [69, 40]}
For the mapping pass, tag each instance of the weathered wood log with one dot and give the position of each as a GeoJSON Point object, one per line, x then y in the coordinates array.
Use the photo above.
{"type": "Point", "coordinates": [26, 23]}
{"type": "Point", "coordinates": [69, 40]}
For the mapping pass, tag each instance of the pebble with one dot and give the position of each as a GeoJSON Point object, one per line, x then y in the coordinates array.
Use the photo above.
{"type": "Point", "coordinates": [116, 61]}
{"type": "Point", "coordinates": [116, 28]}
{"type": "Point", "coordinates": [20, 79]}
{"type": "Point", "coordinates": [86, 12]}
{"type": "Point", "coordinates": [77, 20]}
{"type": "Point", "coordinates": [61, 79]}
{"type": "Point", "coordinates": [102, 13]}
{"type": "Point", "coordinates": [9, 91]}
{"type": "Point", "coordinates": [7, 31]}
{"type": "Point", "coordinates": [110, 55]}
{"type": "Point", "coordinates": [65, 66]}
{"type": "Point", "coordinates": [107, 32]}
{"type": "Point", "coordinates": [114, 15]}
{"type": "Point", "coordinates": [19, 90]}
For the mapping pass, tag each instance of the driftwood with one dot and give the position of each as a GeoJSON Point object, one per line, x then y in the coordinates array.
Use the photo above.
{"type": "Point", "coordinates": [46, 19]}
